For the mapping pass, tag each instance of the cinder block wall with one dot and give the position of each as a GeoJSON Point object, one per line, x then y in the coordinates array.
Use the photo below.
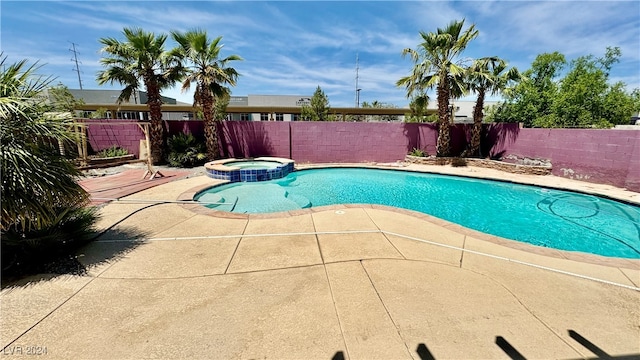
{"type": "Point", "coordinates": [601, 156]}
{"type": "Point", "coordinates": [596, 155]}
{"type": "Point", "coordinates": [242, 139]}
{"type": "Point", "coordinates": [351, 142]}
{"type": "Point", "coordinates": [126, 136]}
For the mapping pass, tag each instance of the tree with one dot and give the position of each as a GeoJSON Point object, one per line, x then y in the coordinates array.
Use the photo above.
{"type": "Point", "coordinates": [319, 108]}
{"type": "Point", "coordinates": [486, 75]}
{"type": "Point", "coordinates": [65, 104]}
{"type": "Point", "coordinates": [418, 106]}
{"type": "Point", "coordinates": [141, 58]}
{"type": "Point", "coordinates": [42, 203]}
{"type": "Point", "coordinates": [586, 99]}
{"type": "Point", "coordinates": [437, 64]}
{"type": "Point", "coordinates": [62, 99]}
{"type": "Point", "coordinates": [582, 98]}
{"type": "Point", "coordinates": [220, 110]}
{"type": "Point", "coordinates": [375, 104]}
{"type": "Point", "coordinates": [532, 98]}
{"type": "Point", "coordinates": [211, 75]}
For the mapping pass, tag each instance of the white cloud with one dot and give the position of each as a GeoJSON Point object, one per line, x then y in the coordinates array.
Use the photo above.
{"type": "Point", "coordinates": [291, 47]}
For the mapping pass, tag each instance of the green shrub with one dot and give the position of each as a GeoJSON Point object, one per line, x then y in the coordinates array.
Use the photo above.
{"type": "Point", "coordinates": [418, 152]}
{"type": "Point", "coordinates": [26, 251]}
{"type": "Point", "coordinates": [42, 202]}
{"type": "Point", "coordinates": [113, 151]}
{"type": "Point", "coordinates": [184, 150]}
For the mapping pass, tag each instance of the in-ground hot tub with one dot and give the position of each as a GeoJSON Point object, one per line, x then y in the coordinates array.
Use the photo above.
{"type": "Point", "coordinates": [250, 170]}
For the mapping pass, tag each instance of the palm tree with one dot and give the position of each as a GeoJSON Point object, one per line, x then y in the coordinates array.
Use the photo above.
{"type": "Point", "coordinates": [210, 75]}
{"type": "Point", "coordinates": [437, 64]}
{"type": "Point", "coordinates": [486, 75]}
{"type": "Point", "coordinates": [43, 206]}
{"type": "Point", "coordinates": [141, 58]}
{"type": "Point", "coordinates": [35, 177]}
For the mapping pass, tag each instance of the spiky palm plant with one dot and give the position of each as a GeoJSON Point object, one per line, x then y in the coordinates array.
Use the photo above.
{"type": "Point", "coordinates": [437, 64]}
{"type": "Point", "coordinates": [211, 76]}
{"type": "Point", "coordinates": [185, 151]}
{"type": "Point", "coordinates": [40, 192]}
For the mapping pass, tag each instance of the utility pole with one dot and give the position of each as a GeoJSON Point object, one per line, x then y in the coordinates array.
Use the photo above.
{"type": "Point", "coordinates": [75, 59]}
{"type": "Point", "coordinates": [357, 88]}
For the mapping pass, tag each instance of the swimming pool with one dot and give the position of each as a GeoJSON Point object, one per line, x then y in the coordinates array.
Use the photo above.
{"type": "Point", "coordinates": [539, 216]}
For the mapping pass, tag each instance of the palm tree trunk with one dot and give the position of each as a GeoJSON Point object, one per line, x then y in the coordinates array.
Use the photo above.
{"type": "Point", "coordinates": [477, 125]}
{"type": "Point", "coordinates": [210, 128]}
{"type": "Point", "coordinates": [157, 133]}
{"type": "Point", "coordinates": [443, 146]}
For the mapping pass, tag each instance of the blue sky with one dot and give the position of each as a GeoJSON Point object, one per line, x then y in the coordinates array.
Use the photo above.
{"type": "Point", "coordinates": [290, 47]}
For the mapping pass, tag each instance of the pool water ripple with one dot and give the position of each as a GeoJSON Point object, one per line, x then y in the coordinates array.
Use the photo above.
{"type": "Point", "coordinates": [539, 216]}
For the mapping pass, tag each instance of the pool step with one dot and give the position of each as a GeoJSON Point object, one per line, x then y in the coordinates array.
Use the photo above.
{"type": "Point", "coordinates": [215, 201]}
{"type": "Point", "coordinates": [287, 181]}
{"type": "Point", "coordinates": [211, 198]}
{"type": "Point", "coordinates": [302, 201]}
{"type": "Point", "coordinates": [271, 198]}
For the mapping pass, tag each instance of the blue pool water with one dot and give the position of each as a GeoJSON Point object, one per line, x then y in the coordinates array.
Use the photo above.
{"type": "Point", "coordinates": [539, 216]}
{"type": "Point", "coordinates": [262, 164]}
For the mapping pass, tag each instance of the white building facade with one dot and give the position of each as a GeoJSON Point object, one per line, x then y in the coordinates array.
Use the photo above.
{"type": "Point", "coordinates": [290, 101]}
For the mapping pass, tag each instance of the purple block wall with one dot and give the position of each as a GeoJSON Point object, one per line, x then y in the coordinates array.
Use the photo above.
{"type": "Point", "coordinates": [242, 139]}
{"type": "Point", "coordinates": [595, 155]}
{"type": "Point", "coordinates": [602, 156]}
{"type": "Point", "coordinates": [126, 136]}
{"type": "Point", "coordinates": [428, 138]}
{"type": "Point", "coordinates": [352, 141]}
{"type": "Point", "coordinates": [193, 127]}
{"type": "Point", "coordinates": [633, 165]}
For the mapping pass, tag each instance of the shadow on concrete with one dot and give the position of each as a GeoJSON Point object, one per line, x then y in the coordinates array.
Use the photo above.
{"type": "Point", "coordinates": [111, 246]}
{"type": "Point", "coordinates": [423, 352]}
{"type": "Point", "coordinates": [80, 261]}
{"type": "Point", "coordinates": [599, 353]}
{"type": "Point", "coordinates": [508, 349]}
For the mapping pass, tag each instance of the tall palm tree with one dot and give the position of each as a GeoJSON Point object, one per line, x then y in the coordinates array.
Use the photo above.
{"type": "Point", "coordinates": [486, 76]}
{"type": "Point", "coordinates": [141, 58]}
{"type": "Point", "coordinates": [211, 76]}
{"type": "Point", "coordinates": [438, 64]}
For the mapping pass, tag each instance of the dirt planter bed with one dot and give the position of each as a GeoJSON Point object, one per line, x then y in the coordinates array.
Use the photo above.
{"type": "Point", "coordinates": [484, 163]}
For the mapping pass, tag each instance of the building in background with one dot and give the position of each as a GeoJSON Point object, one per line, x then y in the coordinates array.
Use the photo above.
{"type": "Point", "coordinates": [259, 107]}
{"type": "Point", "coordinates": [292, 102]}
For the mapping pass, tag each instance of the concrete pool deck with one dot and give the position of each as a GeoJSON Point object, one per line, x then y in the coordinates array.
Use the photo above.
{"type": "Point", "coordinates": [166, 281]}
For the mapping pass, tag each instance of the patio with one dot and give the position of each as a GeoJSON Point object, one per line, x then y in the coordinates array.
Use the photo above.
{"type": "Point", "coordinates": [174, 281]}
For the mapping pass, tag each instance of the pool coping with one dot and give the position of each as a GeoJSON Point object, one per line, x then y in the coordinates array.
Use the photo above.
{"type": "Point", "coordinates": [634, 264]}
{"type": "Point", "coordinates": [220, 164]}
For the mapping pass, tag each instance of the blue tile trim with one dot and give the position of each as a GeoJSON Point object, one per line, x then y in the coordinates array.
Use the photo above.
{"type": "Point", "coordinates": [252, 175]}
